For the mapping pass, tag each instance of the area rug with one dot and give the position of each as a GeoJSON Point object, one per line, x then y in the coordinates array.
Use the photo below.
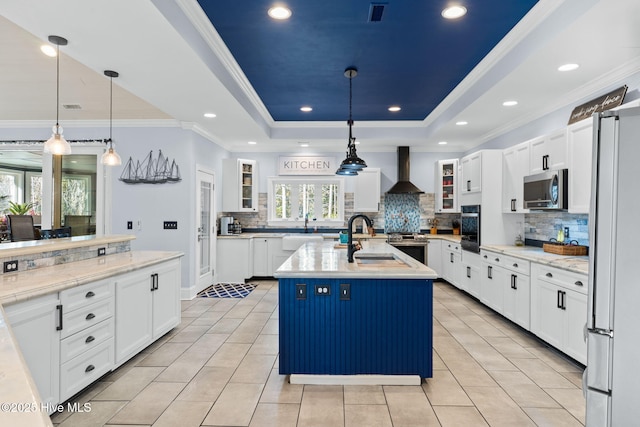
{"type": "Point", "coordinates": [227, 290]}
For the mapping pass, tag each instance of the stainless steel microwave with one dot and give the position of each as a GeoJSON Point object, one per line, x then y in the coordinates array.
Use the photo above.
{"type": "Point", "coordinates": [547, 190]}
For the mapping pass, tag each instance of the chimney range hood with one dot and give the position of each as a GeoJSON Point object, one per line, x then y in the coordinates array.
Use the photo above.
{"type": "Point", "coordinates": [404, 186]}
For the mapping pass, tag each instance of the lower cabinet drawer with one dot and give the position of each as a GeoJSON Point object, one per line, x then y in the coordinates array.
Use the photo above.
{"type": "Point", "coordinates": [86, 339]}
{"type": "Point", "coordinates": [81, 371]}
{"type": "Point", "coordinates": [85, 317]}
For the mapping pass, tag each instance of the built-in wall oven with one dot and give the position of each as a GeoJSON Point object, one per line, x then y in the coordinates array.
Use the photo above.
{"type": "Point", "coordinates": [412, 244]}
{"type": "Point", "coordinates": [470, 228]}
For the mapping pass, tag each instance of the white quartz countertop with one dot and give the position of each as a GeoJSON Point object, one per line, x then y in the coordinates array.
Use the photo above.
{"type": "Point", "coordinates": [326, 260]}
{"type": "Point", "coordinates": [37, 246]}
{"type": "Point", "coordinates": [576, 264]}
{"type": "Point", "coordinates": [16, 384]}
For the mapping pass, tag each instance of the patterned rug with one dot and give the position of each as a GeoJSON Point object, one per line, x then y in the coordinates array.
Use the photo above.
{"type": "Point", "coordinates": [227, 290]}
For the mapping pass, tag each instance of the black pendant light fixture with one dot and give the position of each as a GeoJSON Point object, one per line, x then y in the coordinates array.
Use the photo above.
{"type": "Point", "coordinates": [57, 144]}
{"type": "Point", "coordinates": [110, 157]}
{"type": "Point", "coordinates": [352, 163]}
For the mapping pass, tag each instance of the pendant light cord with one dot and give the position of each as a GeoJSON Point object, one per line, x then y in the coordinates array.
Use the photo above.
{"type": "Point", "coordinates": [110, 112]}
{"type": "Point", "coordinates": [58, 89]}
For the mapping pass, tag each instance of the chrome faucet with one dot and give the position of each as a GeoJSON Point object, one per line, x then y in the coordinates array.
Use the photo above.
{"type": "Point", "coordinates": [351, 248]}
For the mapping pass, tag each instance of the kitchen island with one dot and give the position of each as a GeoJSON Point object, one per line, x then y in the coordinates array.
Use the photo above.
{"type": "Point", "coordinates": [366, 322]}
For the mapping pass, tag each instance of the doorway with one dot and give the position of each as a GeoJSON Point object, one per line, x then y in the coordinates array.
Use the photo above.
{"type": "Point", "coordinates": [205, 229]}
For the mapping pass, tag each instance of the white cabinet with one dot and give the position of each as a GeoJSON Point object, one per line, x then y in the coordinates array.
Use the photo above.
{"type": "Point", "coordinates": [234, 259]}
{"type": "Point", "coordinates": [505, 286]}
{"type": "Point", "coordinates": [239, 185]}
{"type": "Point", "coordinates": [434, 255]}
{"type": "Point", "coordinates": [446, 186]}
{"type": "Point", "coordinates": [559, 309]}
{"type": "Point", "coordinates": [451, 260]}
{"type": "Point", "coordinates": [35, 324]}
{"type": "Point", "coordinates": [366, 196]}
{"type": "Point", "coordinates": [147, 306]}
{"type": "Point", "coordinates": [580, 141]}
{"type": "Point", "coordinates": [514, 168]}
{"type": "Point", "coordinates": [548, 152]}
{"type": "Point", "coordinates": [471, 173]}
{"type": "Point", "coordinates": [267, 255]}
{"type": "Point", "coordinates": [470, 273]}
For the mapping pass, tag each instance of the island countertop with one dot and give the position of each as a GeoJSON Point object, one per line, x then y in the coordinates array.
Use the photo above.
{"type": "Point", "coordinates": [328, 260]}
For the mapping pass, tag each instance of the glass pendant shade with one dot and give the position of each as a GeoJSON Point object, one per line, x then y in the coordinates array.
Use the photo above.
{"type": "Point", "coordinates": [111, 158]}
{"type": "Point", "coordinates": [346, 172]}
{"type": "Point", "coordinates": [57, 144]}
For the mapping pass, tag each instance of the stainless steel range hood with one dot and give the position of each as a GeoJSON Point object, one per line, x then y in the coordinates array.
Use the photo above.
{"type": "Point", "coordinates": [404, 186]}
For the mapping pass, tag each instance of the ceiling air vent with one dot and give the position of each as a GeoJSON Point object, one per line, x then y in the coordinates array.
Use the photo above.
{"type": "Point", "coordinates": [375, 12]}
{"type": "Point", "coordinates": [72, 106]}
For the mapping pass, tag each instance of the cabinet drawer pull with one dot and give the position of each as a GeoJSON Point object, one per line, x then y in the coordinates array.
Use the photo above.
{"type": "Point", "coordinates": [469, 272]}
{"type": "Point", "coordinates": [90, 294]}
{"type": "Point", "coordinates": [515, 265]}
{"type": "Point", "coordinates": [549, 275]}
{"type": "Point", "coordinates": [456, 248]}
{"type": "Point", "coordinates": [490, 272]}
{"type": "Point", "coordinates": [469, 185]}
{"type": "Point", "coordinates": [545, 162]}
{"type": "Point", "coordinates": [59, 308]}
{"type": "Point", "coordinates": [578, 283]}
{"type": "Point", "coordinates": [90, 316]}
{"type": "Point", "coordinates": [513, 205]}
{"type": "Point", "coordinates": [497, 259]}
{"type": "Point", "coordinates": [559, 300]}
{"type": "Point", "coordinates": [89, 368]}
{"type": "Point", "coordinates": [485, 257]}
{"type": "Point", "coordinates": [89, 339]}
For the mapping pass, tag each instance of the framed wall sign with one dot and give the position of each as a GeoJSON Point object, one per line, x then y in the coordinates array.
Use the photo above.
{"type": "Point", "coordinates": [306, 165]}
{"type": "Point", "coordinates": [602, 103]}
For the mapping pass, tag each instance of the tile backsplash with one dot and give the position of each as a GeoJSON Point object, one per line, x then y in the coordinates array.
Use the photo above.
{"type": "Point", "coordinates": [545, 225]}
{"type": "Point", "coordinates": [402, 213]}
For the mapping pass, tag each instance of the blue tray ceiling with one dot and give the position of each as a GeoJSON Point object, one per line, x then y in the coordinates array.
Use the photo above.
{"type": "Point", "coordinates": [413, 57]}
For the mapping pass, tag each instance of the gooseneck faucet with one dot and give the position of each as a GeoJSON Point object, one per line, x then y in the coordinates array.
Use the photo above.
{"type": "Point", "coordinates": [351, 248]}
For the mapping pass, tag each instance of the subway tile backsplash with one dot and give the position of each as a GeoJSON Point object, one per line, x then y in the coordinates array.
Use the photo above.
{"type": "Point", "coordinates": [545, 225]}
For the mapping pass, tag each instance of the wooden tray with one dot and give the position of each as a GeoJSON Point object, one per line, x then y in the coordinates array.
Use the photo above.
{"type": "Point", "coordinates": [560, 249]}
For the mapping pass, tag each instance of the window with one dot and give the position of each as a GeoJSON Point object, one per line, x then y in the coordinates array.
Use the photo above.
{"type": "Point", "coordinates": [11, 183]}
{"type": "Point", "coordinates": [320, 199]}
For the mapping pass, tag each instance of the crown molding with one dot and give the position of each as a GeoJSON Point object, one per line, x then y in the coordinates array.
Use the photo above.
{"type": "Point", "coordinates": [143, 123]}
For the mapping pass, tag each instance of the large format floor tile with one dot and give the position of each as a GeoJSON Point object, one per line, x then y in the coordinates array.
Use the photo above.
{"type": "Point", "coordinates": [219, 367]}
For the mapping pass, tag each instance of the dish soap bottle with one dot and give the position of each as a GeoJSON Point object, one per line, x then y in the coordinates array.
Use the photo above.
{"type": "Point", "coordinates": [560, 237]}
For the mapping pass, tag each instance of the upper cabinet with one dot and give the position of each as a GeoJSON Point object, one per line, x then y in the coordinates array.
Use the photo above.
{"type": "Point", "coordinates": [548, 152]}
{"type": "Point", "coordinates": [447, 200]}
{"type": "Point", "coordinates": [579, 139]}
{"type": "Point", "coordinates": [366, 197]}
{"type": "Point", "coordinates": [471, 173]}
{"type": "Point", "coordinates": [240, 185]}
{"type": "Point", "coordinates": [514, 168]}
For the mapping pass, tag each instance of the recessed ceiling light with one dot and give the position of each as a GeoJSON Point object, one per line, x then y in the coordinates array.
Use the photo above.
{"type": "Point", "coordinates": [394, 108]}
{"type": "Point", "coordinates": [461, 123]}
{"type": "Point", "coordinates": [510, 103]}
{"type": "Point", "coordinates": [279, 12]}
{"type": "Point", "coordinates": [442, 143]}
{"type": "Point", "coordinates": [454, 12]}
{"type": "Point", "coordinates": [48, 50]}
{"type": "Point", "coordinates": [209, 115]}
{"type": "Point", "coordinates": [306, 109]}
{"type": "Point", "coordinates": [568, 67]}
{"type": "Point", "coordinates": [303, 144]}
{"type": "Point", "coordinates": [357, 142]}
{"type": "Point", "coordinates": [252, 143]}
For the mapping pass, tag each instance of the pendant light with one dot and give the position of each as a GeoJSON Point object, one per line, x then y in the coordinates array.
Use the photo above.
{"type": "Point", "coordinates": [352, 163]}
{"type": "Point", "coordinates": [57, 144]}
{"type": "Point", "coordinates": [110, 157]}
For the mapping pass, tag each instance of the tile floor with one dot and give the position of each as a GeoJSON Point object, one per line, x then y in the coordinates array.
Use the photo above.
{"type": "Point", "coordinates": [219, 368]}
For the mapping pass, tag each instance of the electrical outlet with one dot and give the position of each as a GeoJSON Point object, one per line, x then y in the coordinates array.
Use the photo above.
{"type": "Point", "coordinates": [102, 251]}
{"type": "Point", "coordinates": [345, 291]}
{"type": "Point", "coordinates": [139, 225]}
{"type": "Point", "coordinates": [129, 225]}
{"type": "Point", "coordinates": [323, 290]}
{"type": "Point", "coordinates": [10, 266]}
{"type": "Point", "coordinates": [171, 225]}
{"type": "Point", "coordinates": [566, 232]}
{"type": "Point", "coordinates": [301, 291]}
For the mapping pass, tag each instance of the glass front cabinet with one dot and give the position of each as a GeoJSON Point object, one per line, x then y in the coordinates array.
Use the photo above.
{"type": "Point", "coordinates": [240, 186]}
{"type": "Point", "coordinates": [446, 186]}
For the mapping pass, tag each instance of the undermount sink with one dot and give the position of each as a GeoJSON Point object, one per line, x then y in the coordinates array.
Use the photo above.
{"type": "Point", "coordinates": [376, 260]}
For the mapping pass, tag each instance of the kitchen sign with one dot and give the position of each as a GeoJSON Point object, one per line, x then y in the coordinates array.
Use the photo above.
{"type": "Point", "coordinates": [605, 102]}
{"type": "Point", "coordinates": [306, 165]}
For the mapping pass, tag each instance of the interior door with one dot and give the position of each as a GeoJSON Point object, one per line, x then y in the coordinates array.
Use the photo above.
{"type": "Point", "coordinates": [205, 229]}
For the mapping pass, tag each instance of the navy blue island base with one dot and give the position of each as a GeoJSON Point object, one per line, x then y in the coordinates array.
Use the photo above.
{"type": "Point", "coordinates": [385, 327]}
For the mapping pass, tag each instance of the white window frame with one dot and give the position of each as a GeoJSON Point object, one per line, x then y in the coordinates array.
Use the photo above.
{"type": "Point", "coordinates": [18, 176]}
{"type": "Point", "coordinates": [272, 181]}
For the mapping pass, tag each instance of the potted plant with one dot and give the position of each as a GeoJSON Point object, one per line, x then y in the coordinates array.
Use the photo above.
{"type": "Point", "coordinates": [19, 208]}
{"type": "Point", "coordinates": [434, 226]}
{"type": "Point", "coordinates": [455, 224]}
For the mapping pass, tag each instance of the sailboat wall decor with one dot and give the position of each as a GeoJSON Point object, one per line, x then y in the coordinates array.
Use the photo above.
{"type": "Point", "coordinates": [158, 170]}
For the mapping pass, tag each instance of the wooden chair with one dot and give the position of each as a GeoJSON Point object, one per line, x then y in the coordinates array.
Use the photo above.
{"type": "Point", "coordinates": [21, 228]}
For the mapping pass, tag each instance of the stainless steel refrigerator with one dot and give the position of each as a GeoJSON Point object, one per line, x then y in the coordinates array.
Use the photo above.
{"type": "Point", "coordinates": [613, 324]}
